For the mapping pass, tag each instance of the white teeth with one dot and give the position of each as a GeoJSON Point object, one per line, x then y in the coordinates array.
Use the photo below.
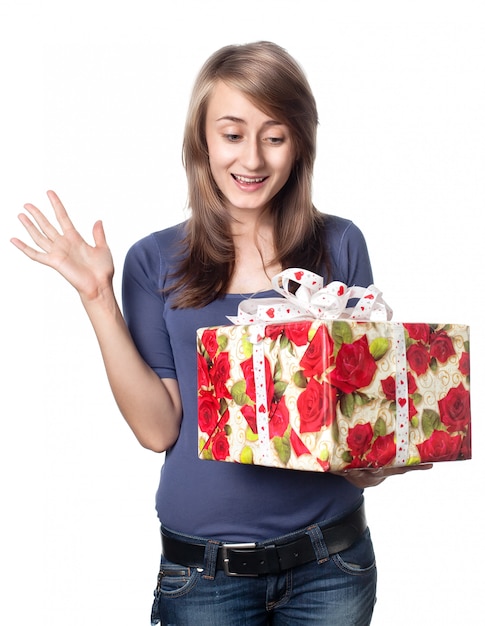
{"type": "Point", "coordinates": [243, 179]}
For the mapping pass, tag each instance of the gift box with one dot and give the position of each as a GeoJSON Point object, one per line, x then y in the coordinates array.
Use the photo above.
{"type": "Point", "coordinates": [319, 394]}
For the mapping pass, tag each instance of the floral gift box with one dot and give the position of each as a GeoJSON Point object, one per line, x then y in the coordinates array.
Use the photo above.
{"type": "Point", "coordinates": [333, 394]}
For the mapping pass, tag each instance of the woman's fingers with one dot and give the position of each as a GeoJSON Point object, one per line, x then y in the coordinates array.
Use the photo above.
{"type": "Point", "coordinates": [364, 478]}
{"type": "Point", "coordinates": [32, 253]}
{"type": "Point", "coordinates": [99, 236]}
{"type": "Point", "coordinates": [60, 212]}
{"type": "Point", "coordinates": [89, 269]}
{"type": "Point", "coordinates": [43, 232]}
{"type": "Point", "coordinates": [54, 244]}
{"type": "Point", "coordinates": [37, 231]}
{"type": "Point", "coordinates": [408, 468]}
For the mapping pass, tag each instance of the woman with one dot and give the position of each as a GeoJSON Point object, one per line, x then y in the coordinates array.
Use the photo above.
{"type": "Point", "coordinates": [249, 150]}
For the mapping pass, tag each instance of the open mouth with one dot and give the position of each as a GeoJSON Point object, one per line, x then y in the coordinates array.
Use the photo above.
{"type": "Point", "coordinates": [246, 180]}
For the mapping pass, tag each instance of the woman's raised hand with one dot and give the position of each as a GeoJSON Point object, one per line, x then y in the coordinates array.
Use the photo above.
{"type": "Point", "coordinates": [151, 407]}
{"type": "Point", "coordinates": [88, 268]}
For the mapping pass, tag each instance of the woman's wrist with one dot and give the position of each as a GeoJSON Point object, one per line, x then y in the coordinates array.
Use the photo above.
{"type": "Point", "coordinates": [101, 299]}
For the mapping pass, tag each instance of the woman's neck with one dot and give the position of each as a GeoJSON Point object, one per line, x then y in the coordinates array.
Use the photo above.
{"type": "Point", "coordinates": [255, 260]}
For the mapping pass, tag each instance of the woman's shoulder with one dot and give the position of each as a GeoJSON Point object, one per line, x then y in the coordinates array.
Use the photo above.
{"type": "Point", "coordinates": [341, 233]}
{"type": "Point", "coordinates": [348, 252]}
{"type": "Point", "coordinates": [166, 244]}
{"type": "Point", "coordinates": [338, 227]}
{"type": "Point", "coordinates": [167, 237]}
{"type": "Point", "coordinates": [155, 254]}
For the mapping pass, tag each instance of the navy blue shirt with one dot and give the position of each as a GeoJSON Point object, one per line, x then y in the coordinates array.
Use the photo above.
{"type": "Point", "coordinates": [225, 501]}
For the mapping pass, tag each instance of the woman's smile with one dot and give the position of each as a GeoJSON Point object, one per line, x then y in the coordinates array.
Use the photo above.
{"type": "Point", "coordinates": [249, 183]}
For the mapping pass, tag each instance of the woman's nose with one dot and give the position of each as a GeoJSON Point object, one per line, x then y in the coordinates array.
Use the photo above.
{"type": "Point", "coordinates": [252, 155]}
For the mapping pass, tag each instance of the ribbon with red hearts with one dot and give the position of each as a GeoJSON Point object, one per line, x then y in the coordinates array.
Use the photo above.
{"type": "Point", "coordinates": [402, 396]}
{"type": "Point", "coordinates": [313, 299]}
{"type": "Point", "coordinates": [256, 336]}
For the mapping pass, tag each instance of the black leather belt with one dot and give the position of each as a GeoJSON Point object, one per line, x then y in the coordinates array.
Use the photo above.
{"type": "Point", "coordinates": [251, 559]}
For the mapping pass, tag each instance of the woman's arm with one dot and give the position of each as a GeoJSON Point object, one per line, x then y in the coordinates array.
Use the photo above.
{"type": "Point", "coordinates": [151, 406]}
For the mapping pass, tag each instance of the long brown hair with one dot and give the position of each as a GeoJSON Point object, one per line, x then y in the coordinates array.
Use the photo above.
{"type": "Point", "coordinates": [274, 82]}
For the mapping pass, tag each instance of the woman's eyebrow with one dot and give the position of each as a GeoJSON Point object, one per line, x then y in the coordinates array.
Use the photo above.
{"type": "Point", "coordinates": [238, 120]}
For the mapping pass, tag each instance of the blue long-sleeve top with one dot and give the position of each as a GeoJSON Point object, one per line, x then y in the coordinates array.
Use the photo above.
{"type": "Point", "coordinates": [225, 501]}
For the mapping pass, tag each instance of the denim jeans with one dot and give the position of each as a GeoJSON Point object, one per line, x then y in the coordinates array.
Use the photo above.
{"type": "Point", "coordinates": [336, 590]}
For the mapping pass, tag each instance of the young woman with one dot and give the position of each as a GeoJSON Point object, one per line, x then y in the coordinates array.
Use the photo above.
{"type": "Point", "coordinates": [249, 148]}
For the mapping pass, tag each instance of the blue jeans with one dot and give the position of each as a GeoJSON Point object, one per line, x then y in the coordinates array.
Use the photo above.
{"type": "Point", "coordinates": [336, 590]}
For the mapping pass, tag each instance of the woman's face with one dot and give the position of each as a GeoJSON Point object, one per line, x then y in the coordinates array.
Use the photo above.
{"type": "Point", "coordinates": [250, 154]}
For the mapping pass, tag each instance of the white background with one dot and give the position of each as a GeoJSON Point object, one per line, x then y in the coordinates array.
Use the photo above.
{"type": "Point", "coordinates": [93, 99]}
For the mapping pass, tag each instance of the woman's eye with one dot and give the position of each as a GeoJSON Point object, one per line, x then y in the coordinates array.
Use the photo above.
{"type": "Point", "coordinates": [275, 140]}
{"type": "Point", "coordinates": [231, 137]}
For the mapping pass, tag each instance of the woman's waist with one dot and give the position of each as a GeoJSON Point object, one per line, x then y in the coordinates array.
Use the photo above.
{"type": "Point", "coordinates": [227, 502]}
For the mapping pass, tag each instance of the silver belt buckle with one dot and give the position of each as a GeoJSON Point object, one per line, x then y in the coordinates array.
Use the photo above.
{"type": "Point", "coordinates": [225, 557]}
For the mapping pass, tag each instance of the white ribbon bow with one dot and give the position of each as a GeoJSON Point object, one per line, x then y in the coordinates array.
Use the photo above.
{"type": "Point", "coordinates": [313, 299]}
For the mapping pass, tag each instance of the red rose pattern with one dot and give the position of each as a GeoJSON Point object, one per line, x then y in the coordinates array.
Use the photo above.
{"type": "Point", "coordinates": [441, 346]}
{"type": "Point", "coordinates": [360, 438]}
{"type": "Point", "coordinates": [318, 355]}
{"type": "Point", "coordinates": [220, 446]}
{"type": "Point", "coordinates": [273, 331]}
{"type": "Point", "coordinates": [464, 364]}
{"type": "Point", "coordinates": [418, 358]}
{"type": "Point", "coordinates": [332, 375]}
{"type": "Point", "coordinates": [209, 341]}
{"type": "Point", "coordinates": [354, 366]}
{"type": "Point", "coordinates": [389, 386]}
{"type": "Point", "coordinates": [382, 452]}
{"type": "Point", "coordinates": [208, 412]}
{"type": "Point", "coordinates": [418, 332]}
{"type": "Point", "coordinates": [279, 419]}
{"type": "Point", "coordinates": [219, 374]}
{"type": "Point", "coordinates": [441, 446]}
{"type": "Point", "coordinates": [455, 409]}
{"type": "Point", "coordinates": [316, 406]}
{"type": "Point", "coordinates": [297, 332]}
{"type": "Point", "coordinates": [202, 372]}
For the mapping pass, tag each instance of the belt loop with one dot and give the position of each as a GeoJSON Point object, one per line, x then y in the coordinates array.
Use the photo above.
{"type": "Point", "coordinates": [210, 559]}
{"type": "Point", "coordinates": [318, 543]}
